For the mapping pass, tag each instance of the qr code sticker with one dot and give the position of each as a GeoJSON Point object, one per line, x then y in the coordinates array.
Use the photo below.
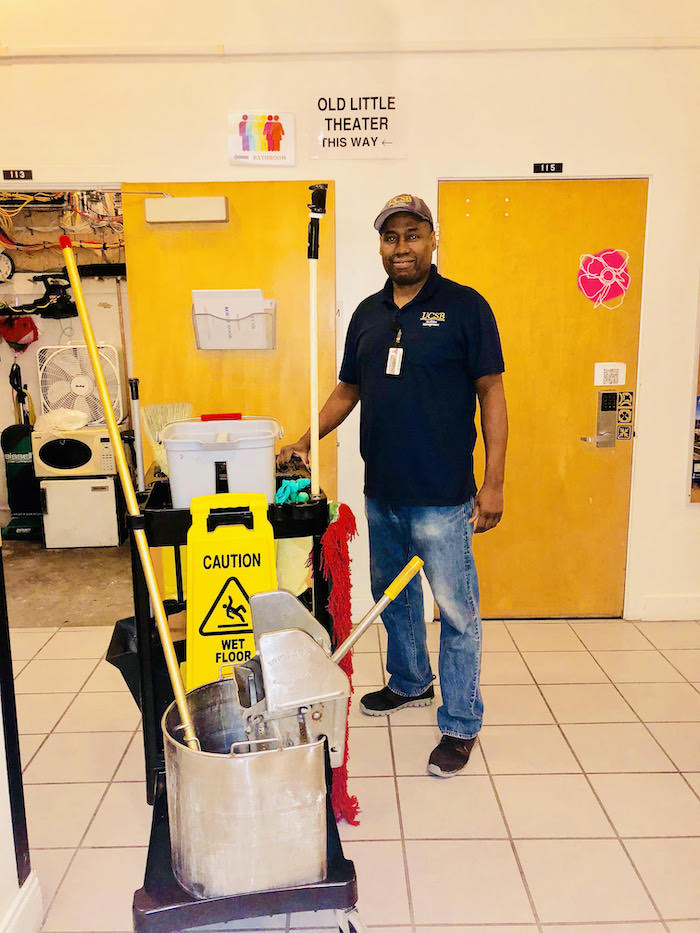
{"type": "Point", "coordinates": [611, 376]}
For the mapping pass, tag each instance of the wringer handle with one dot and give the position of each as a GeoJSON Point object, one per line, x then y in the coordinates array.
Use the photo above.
{"type": "Point", "coordinates": [390, 594]}
{"type": "Point", "coordinates": [130, 496]}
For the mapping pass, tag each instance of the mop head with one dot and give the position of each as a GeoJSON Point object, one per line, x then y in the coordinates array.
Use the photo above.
{"type": "Point", "coordinates": [155, 418]}
{"type": "Point", "coordinates": [335, 562]}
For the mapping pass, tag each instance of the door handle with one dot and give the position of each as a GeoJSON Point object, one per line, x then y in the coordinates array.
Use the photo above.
{"type": "Point", "coordinates": [606, 421]}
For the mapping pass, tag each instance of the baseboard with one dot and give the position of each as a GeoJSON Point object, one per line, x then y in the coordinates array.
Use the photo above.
{"type": "Point", "coordinates": [27, 909]}
{"type": "Point", "coordinates": [659, 608]}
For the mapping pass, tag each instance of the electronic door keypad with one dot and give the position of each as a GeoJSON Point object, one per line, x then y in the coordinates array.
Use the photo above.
{"type": "Point", "coordinates": [606, 421]}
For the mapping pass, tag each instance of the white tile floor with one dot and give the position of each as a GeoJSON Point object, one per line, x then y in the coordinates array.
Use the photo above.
{"type": "Point", "coordinates": [580, 810]}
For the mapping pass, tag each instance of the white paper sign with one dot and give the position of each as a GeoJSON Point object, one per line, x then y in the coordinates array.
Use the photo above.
{"type": "Point", "coordinates": [233, 319]}
{"type": "Point", "coordinates": [610, 374]}
{"type": "Point", "coordinates": [357, 126]}
{"type": "Point", "coordinates": [260, 137]}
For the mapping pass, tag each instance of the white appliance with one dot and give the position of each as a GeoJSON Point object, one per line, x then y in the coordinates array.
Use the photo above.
{"type": "Point", "coordinates": [82, 452]}
{"type": "Point", "coordinates": [80, 512]}
{"type": "Point", "coordinates": [66, 380]}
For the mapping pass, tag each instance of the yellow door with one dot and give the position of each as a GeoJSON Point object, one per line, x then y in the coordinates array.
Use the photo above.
{"type": "Point", "coordinates": [560, 262]}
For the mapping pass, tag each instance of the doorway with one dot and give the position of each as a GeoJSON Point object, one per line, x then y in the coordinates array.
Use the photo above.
{"type": "Point", "coordinates": [560, 262]}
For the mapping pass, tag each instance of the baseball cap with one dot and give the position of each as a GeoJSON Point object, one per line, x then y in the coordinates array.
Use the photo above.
{"type": "Point", "coordinates": [404, 202]}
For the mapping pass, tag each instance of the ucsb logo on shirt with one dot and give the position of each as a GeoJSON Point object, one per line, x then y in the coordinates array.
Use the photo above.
{"type": "Point", "coordinates": [432, 318]}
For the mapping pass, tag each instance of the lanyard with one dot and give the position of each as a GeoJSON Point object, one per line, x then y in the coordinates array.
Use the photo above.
{"type": "Point", "coordinates": [394, 359]}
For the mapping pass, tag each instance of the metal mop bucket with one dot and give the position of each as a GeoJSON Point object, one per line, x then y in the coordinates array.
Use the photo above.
{"type": "Point", "coordinates": [241, 819]}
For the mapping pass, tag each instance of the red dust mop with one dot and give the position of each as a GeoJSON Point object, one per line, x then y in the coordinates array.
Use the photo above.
{"type": "Point", "coordinates": [335, 561]}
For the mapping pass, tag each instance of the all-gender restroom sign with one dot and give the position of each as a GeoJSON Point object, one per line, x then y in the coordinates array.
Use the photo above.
{"type": "Point", "coordinates": [230, 556]}
{"type": "Point", "coordinates": [358, 126]}
{"type": "Point", "coordinates": [260, 136]}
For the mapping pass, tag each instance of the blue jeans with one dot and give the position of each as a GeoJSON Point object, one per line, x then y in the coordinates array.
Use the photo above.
{"type": "Point", "coordinates": [441, 536]}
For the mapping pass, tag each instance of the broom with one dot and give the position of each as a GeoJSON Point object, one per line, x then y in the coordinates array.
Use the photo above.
{"type": "Point", "coordinates": [154, 419]}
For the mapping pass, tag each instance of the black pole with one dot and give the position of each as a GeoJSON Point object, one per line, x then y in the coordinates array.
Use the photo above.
{"type": "Point", "coordinates": [318, 198]}
{"type": "Point", "coordinates": [12, 751]}
{"type": "Point", "coordinates": [317, 208]}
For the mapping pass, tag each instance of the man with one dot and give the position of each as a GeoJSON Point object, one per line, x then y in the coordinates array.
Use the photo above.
{"type": "Point", "coordinates": [417, 354]}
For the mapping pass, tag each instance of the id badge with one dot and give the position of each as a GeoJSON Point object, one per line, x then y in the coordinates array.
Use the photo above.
{"type": "Point", "coordinates": [394, 361]}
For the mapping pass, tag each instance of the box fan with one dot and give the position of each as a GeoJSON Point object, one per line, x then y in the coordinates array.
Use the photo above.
{"type": "Point", "coordinates": [66, 380]}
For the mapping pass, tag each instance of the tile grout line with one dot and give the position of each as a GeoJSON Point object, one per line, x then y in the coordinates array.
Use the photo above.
{"type": "Point", "coordinates": [14, 678]}
{"type": "Point", "coordinates": [595, 794]}
{"type": "Point", "coordinates": [77, 848]}
{"type": "Point", "coordinates": [409, 893]}
{"type": "Point", "coordinates": [614, 684]}
{"type": "Point", "coordinates": [585, 773]}
{"type": "Point", "coordinates": [396, 788]}
{"type": "Point", "coordinates": [87, 829]}
{"type": "Point", "coordinates": [109, 785]}
{"type": "Point", "coordinates": [669, 661]}
{"type": "Point", "coordinates": [407, 877]}
{"type": "Point", "coordinates": [684, 775]}
{"type": "Point", "coordinates": [511, 840]}
{"type": "Point", "coordinates": [53, 728]}
{"type": "Point", "coordinates": [596, 838]}
{"type": "Point", "coordinates": [64, 692]}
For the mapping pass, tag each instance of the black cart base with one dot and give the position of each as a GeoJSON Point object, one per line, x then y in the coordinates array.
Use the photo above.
{"type": "Point", "coordinates": [162, 906]}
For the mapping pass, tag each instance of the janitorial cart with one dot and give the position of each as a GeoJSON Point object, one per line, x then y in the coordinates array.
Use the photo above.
{"type": "Point", "coordinates": [238, 769]}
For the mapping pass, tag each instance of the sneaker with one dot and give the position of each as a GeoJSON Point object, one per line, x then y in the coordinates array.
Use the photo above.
{"type": "Point", "coordinates": [385, 701]}
{"type": "Point", "coordinates": [450, 756]}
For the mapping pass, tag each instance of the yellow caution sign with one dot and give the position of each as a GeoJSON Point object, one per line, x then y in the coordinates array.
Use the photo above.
{"type": "Point", "coordinates": [230, 556]}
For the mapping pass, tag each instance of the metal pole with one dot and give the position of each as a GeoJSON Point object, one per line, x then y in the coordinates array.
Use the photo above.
{"type": "Point", "coordinates": [130, 496]}
{"type": "Point", "coordinates": [317, 209]}
{"type": "Point", "coordinates": [138, 441]}
{"type": "Point", "coordinates": [313, 368]}
{"type": "Point", "coordinates": [390, 593]}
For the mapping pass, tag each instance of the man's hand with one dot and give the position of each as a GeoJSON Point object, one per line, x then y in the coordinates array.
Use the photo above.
{"type": "Point", "coordinates": [488, 508]}
{"type": "Point", "coordinates": [488, 504]}
{"type": "Point", "coordinates": [299, 449]}
{"type": "Point", "coordinates": [340, 403]}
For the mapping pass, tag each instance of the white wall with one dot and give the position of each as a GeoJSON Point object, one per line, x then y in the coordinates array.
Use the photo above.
{"type": "Point", "coordinates": [21, 909]}
{"type": "Point", "coordinates": [609, 88]}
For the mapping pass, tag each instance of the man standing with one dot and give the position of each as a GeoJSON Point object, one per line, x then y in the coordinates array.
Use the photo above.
{"type": "Point", "coordinates": [417, 355]}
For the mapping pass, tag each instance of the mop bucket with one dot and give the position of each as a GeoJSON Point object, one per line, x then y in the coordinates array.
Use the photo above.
{"type": "Point", "coordinates": [199, 451]}
{"type": "Point", "coordinates": [241, 819]}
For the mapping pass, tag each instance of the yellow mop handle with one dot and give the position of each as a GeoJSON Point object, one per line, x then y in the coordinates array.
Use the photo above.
{"type": "Point", "coordinates": [130, 496]}
{"type": "Point", "coordinates": [406, 575]}
{"type": "Point", "coordinates": [390, 593]}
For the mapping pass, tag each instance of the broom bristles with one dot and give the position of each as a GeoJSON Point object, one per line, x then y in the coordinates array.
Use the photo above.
{"type": "Point", "coordinates": [155, 418]}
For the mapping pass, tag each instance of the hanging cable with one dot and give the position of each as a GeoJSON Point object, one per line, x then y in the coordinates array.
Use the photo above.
{"type": "Point", "coordinates": [23, 404]}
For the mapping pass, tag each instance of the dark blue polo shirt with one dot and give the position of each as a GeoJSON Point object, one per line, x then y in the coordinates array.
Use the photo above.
{"type": "Point", "coordinates": [417, 430]}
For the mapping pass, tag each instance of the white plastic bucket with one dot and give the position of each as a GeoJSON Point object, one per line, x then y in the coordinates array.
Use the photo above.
{"type": "Point", "coordinates": [194, 448]}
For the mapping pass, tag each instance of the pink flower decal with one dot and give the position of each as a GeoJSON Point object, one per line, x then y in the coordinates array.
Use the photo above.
{"type": "Point", "coordinates": [603, 277]}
